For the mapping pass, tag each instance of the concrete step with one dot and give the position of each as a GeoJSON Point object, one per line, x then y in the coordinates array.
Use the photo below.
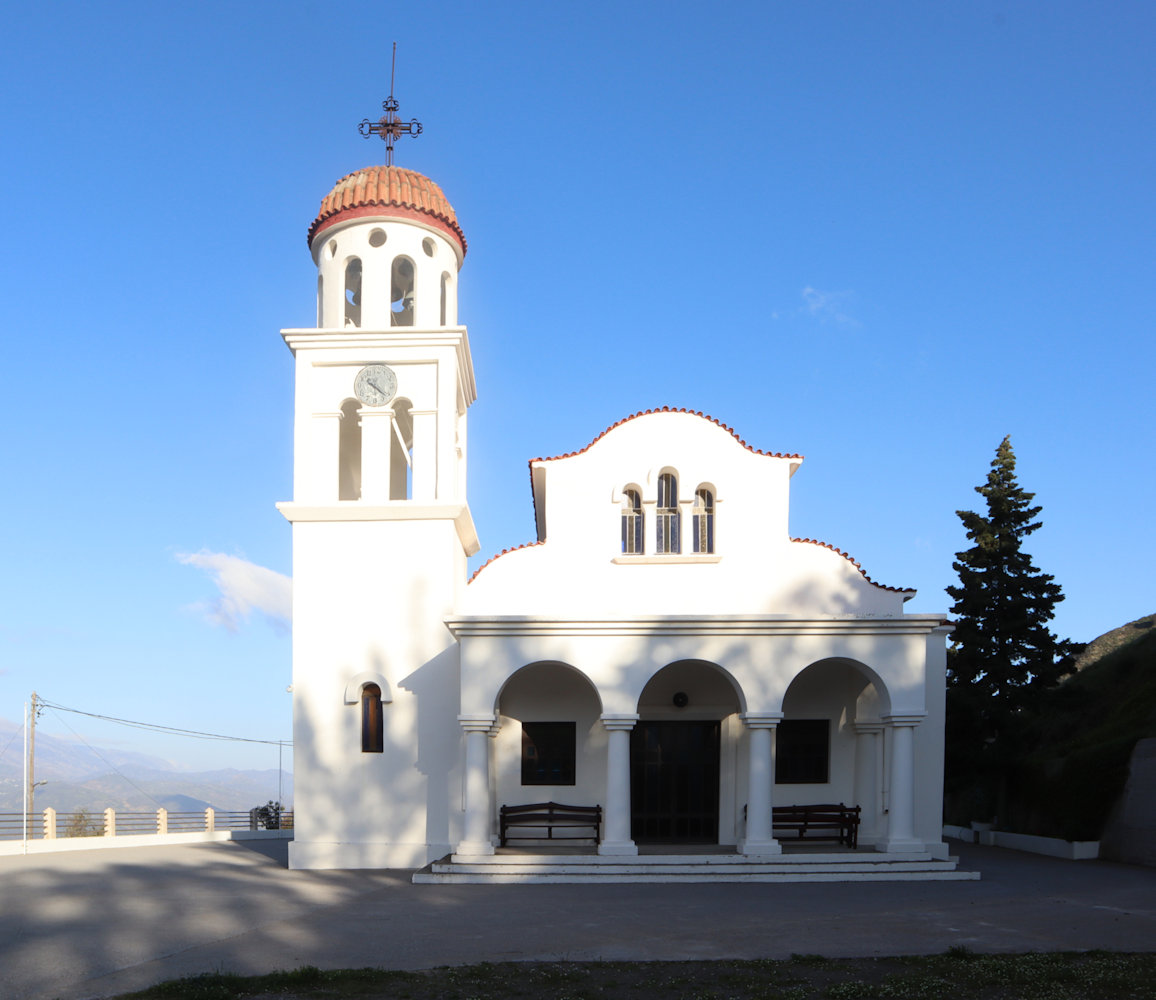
{"type": "Point", "coordinates": [530, 868]}
{"type": "Point", "coordinates": [429, 877]}
{"type": "Point", "coordinates": [712, 870]}
{"type": "Point", "coordinates": [506, 857]}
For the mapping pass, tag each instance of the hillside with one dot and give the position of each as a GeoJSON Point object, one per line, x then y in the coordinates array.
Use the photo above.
{"type": "Point", "coordinates": [1084, 737]}
{"type": "Point", "coordinates": [77, 778]}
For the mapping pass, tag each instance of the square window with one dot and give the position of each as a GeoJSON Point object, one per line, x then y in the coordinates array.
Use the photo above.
{"type": "Point", "coordinates": [803, 752]}
{"type": "Point", "coordinates": [548, 753]}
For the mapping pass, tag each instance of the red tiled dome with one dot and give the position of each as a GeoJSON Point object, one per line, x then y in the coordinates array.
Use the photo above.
{"type": "Point", "coordinates": [387, 192]}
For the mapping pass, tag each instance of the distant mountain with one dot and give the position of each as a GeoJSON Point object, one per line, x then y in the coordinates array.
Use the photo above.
{"type": "Point", "coordinates": [77, 778]}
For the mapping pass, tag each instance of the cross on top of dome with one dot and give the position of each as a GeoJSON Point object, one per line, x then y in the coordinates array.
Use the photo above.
{"type": "Point", "coordinates": [389, 126]}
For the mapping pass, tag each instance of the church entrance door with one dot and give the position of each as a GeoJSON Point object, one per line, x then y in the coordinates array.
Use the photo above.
{"type": "Point", "coordinates": [674, 782]}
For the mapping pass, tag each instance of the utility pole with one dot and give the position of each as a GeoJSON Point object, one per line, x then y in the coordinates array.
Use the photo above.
{"type": "Point", "coordinates": [29, 816]}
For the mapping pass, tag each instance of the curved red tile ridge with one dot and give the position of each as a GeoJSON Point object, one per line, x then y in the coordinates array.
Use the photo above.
{"type": "Point", "coordinates": [667, 409]}
{"type": "Point", "coordinates": [514, 548]}
{"type": "Point", "coordinates": [387, 191]}
{"type": "Point", "coordinates": [840, 552]}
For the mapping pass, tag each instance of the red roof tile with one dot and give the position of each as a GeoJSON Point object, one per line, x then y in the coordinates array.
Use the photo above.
{"type": "Point", "coordinates": [667, 409]}
{"type": "Point", "coordinates": [389, 192]}
{"type": "Point", "coordinates": [527, 545]}
{"type": "Point", "coordinates": [840, 552]}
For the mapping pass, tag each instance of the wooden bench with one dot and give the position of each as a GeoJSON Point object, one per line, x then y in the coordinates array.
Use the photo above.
{"type": "Point", "coordinates": [819, 822]}
{"type": "Point", "coordinates": [551, 821]}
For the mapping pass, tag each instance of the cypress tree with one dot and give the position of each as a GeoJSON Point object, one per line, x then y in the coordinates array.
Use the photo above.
{"type": "Point", "coordinates": [1003, 655]}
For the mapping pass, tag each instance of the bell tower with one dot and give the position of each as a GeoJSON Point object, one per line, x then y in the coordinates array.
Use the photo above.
{"type": "Point", "coordinates": [390, 376]}
{"type": "Point", "coordinates": [381, 525]}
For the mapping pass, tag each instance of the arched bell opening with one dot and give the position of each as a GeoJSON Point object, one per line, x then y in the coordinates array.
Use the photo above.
{"type": "Point", "coordinates": [683, 756]}
{"type": "Point", "coordinates": [349, 452]}
{"type": "Point", "coordinates": [401, 295]}
{"type": "Point", "coordinates": [353, 292]}
{"type": "Point", "coordinates": [401, 452]}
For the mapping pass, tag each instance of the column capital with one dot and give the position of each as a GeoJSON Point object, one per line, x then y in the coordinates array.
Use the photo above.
{"type": "Point", "coordinates": [620, 722]}
{"type": "Point", "coordinates": [761, 720]}
{"type": "Point", "coordinates": [867, 727]}
{"type": "Point", "coordinates": [477, 723]}
{"type": "Point", "coordinates": [905, 718]}
{"type": "Point", "coordinates": [336, 414]}
{"type": "Point", "coordinates": [375, 411]}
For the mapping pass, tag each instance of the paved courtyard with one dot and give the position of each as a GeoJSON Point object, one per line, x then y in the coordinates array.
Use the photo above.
{"type": "Point", "coordinates": [93, 923]}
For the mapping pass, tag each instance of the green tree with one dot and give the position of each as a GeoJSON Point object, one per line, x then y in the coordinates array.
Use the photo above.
{"type": "Point", "coordinates": [1003, 655]}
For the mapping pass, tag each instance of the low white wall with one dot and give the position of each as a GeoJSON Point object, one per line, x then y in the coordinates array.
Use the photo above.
{"type": "Point", "coordinates": [1078, 850]}
{"type": "Point", "coordinates": [52, 845]}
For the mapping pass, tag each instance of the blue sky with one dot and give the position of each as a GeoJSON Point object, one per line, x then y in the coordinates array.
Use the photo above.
{"type": "Point", "coordinates": [883, 235]}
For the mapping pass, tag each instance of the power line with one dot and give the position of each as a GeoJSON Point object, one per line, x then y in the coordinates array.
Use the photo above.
{"type": "Point", "coordinates": [171, 730]}
{"type": "Point", "coordinates": [102, 756]}
{"type": "Point", "coordinates": [15, 732]}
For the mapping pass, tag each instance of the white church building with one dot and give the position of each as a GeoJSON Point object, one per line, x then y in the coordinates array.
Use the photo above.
{"type": "Point", "coordinates": [662, 649]}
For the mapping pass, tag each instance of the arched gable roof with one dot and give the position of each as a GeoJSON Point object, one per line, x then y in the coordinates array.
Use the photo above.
{"type": "Point", "coordinates": [910, 592]}
{"type": "Point", "coordinates": [668, 409]}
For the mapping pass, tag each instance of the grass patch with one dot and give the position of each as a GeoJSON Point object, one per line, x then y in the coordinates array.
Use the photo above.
{"type": "Point", "coordinates": [959, 974]}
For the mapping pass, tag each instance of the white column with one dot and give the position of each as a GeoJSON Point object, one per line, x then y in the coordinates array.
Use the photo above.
{"type": "Point", "coordinates": [320, 483]}
{"type": "Point", "coordinates": [901, 815]}
{"type": "Point", "coordinates": [478, 840]}
{"type": "Point", "coordinates": [425, 455]}
{"type": "Point", "coordinates": [616, 817]}
{"type": "Point", "coordinates": [760, 839]}
{"type": "Point", "coordinates": [867, 793]}
{"type": "Point", "coordinates": [376, 439]}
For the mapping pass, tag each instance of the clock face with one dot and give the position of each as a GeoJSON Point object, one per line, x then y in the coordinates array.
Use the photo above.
{"type": "Point", "coordinates": [375, 385]}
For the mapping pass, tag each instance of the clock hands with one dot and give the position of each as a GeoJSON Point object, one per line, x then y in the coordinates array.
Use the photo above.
{"type": "Point", "coordinates": [375, 385]}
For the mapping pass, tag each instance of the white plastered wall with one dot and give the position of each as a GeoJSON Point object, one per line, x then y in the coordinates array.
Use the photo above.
{"type": "Point", "coordinates": [356, 615]}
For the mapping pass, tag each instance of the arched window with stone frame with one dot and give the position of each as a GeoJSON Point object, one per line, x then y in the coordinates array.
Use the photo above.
{"type": "Point", "coordinates": [666, 518]}
{"type": "Point", "coordinates": [703, 528]}
{"type": "Point", "coordinates": [633, 533]}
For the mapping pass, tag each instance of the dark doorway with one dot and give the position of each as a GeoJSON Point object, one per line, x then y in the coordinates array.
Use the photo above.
{"type": "Point", "coordinates": [674, 782]}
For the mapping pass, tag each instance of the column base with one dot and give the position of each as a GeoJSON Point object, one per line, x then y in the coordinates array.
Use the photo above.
{"type": "Point", "coordinates": [903, 846]}
{"type": "Point", "coordinates": [623, 848]}
{"type": "Point", "coordinates": [474, 849]}
{"type": "Point", "coordinates": [759, 848]}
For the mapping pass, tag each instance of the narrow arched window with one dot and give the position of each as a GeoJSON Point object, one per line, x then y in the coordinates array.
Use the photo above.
{"type": "Point", "coordinates": [703, 520]}
{"type": "Point", "coordinates": [372, 720]}
{"type": "Point", "coordinates": [349, 453]}
{"type": "Point", "coordinates": [320, 302]}
{"type": "Point", "coordinates": [632, 534]}
{"type": "Point", "coordinates": [353, 292]}
{"type": "Point", "coordinates": [666, 517]}
{"type": "Point", "coordinates": [401, 292]}
{"type": "Point", "coordinates": [445, 296]}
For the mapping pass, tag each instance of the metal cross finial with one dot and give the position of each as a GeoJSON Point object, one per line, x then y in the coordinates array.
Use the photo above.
{"type": "Point", "coordinates": [389, 126]}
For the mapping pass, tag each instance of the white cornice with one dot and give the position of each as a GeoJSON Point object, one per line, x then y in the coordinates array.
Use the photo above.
{"type": "Point", "coordinates": [692, 625]}
{"type": "Point", "coordinates": [394, 339]}
{"type": "Point", "coordinates": [402, 510]}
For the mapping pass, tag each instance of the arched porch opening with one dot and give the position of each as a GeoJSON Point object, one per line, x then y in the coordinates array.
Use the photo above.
{"type": "Point", "coordinates": [550, 745]}
{"type": "Point", "coordinates": [829, 745]}
{"type": "Point", "coordinates": [683, 753]}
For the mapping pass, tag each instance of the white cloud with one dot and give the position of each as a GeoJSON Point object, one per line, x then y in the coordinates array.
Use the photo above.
{"type": "Point", "coordinates": [828, 307]}
{"type": "Point", "coordinates": [245, 587]}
